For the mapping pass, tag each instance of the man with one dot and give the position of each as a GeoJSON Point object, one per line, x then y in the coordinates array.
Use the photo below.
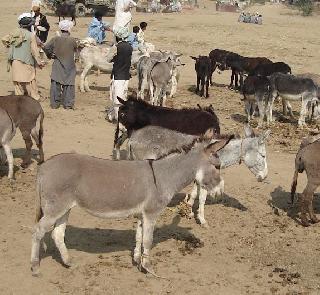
{"type": "Point", "coordinates": [123, 15]}
{"type": "Point", "coordinates": [62, 49]}
{"type": "Point", "coordinates": [97, 28]}
{"type": "Point", "coordinates": [41, 25]}
{"type": "Point", "coordinates": [24, 57]}
{"type": "Point", "coordinates": [121, 69]}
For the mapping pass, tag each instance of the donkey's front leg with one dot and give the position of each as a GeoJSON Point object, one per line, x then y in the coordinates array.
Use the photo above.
{"type": "Point", "coordinates": [191, 198]}
{"type": "Point", "coordinates": [202, 202]}
{"type": "Point", "coordinates": [137, 249]}
{"type": "Point", "coordinates": [303, 112]}
{"type": "Point", "coordinates": [149, 221]}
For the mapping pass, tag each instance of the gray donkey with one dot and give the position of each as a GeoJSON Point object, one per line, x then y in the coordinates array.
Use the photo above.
{"type": "Point", "coordinates": [114, 189]}
{"type": "Point", "coordinates": [7, 132]}
{"type": "Point", "coordinates": [152, 142]}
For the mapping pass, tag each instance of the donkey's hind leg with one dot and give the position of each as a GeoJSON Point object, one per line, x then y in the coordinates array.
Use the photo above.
{"type": "Point", "coordinates": [137, 249]}
{"type": "Point", "coordinates": [35, 132]}
{"type": "Point", "coordinates": [8, 152]}
{"type": "Point", "coordinates": [58, 237]}
{"type": "Point", "coordinates": [44, 225]}
{"type": "Point", "coordinates": [149, 221]}
{"type": "Point", "coordinates": [26, 134]}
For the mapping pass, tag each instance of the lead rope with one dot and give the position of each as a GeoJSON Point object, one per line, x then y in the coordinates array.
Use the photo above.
{"type": "Point", "coordinates": [154, 176]}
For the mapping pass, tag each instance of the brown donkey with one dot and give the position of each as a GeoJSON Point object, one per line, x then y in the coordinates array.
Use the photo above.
{"type": "Point", "coordinates": [24, 112]}
{"type": "Point", "coordinates": [114, 189]}
{"type": "Point", "coordinates": [307, 159]}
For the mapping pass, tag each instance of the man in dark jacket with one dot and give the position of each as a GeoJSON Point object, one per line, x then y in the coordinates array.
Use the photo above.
{"type": "Point", "coordinates": [42, 26]}
{"type": "Point", "coordinates": [62, 49]}
{"type": "Point", "coordinates": [121, 69]}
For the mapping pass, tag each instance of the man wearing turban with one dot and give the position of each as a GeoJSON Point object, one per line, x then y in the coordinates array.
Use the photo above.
{"type": "Point", "coordinates": [24, 57]}
{"type": "Point", "coordinates": [61, 49]}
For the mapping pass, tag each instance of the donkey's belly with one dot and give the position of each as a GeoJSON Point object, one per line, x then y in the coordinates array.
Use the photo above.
{"type": "Point", "coordinates": [289, 96]}
{"type": "Point", "coordinates": [115, 213]}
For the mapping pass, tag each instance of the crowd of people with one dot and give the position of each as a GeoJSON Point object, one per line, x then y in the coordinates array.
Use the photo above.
{"type": "Point", "coordinates": [28, 44]}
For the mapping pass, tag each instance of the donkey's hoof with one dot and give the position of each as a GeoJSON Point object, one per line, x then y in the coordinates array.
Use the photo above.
{"type": "Point", "coordinates": [305, 223]}
{"type": "Point", "coordinates": [35, 269]}
{"type": "Point", "coordinates": [136, 260]}
{"type": "Point", "coordinates": [205, 225]}
{"type": "Point", "coordinates": [68, 262]}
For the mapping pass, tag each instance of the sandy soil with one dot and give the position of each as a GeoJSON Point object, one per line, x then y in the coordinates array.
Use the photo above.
{"type": "Point", "coordinates": [254, 244]}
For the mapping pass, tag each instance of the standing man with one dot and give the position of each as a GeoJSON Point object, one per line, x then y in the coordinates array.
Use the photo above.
{"type": "Point", "coordinates": [123, 15]}
{"type": "Point", "coordinates": [97, 28]}
{"type": "Point", "coordinates": [121, 69]}
{"type": "Point", "coordinates": [41, 25]}
{"type": "Point", "coordinates": [63, 75]}
{"type": "Point", "coordinates": [24, 57]}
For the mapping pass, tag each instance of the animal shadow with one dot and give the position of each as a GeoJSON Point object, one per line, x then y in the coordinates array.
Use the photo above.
{"type": "Point", "coordinates": [98, 240]}
{"type": "Point", "coordinates": [239, 118]}
{"type": "Point", "coordinates": [280, 199]}
{"type": "Point", "coordinates": [192, 88]}
{"type": "Point", "coordinates": [226, 201]}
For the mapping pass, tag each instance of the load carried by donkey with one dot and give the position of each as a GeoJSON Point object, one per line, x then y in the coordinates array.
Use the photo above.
{"type": "Point", "coordinates": [113, 189]}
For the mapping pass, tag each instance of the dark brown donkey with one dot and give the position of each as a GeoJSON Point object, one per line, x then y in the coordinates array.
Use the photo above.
{"type": "Point", "coordinates": [25, 112]}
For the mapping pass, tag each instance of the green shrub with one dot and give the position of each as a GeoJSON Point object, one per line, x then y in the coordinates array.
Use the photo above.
{"type": "Point", "coordinates": [306, 7]}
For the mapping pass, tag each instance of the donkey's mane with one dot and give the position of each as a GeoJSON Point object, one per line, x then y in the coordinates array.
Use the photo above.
{"type": "Point", "coordinates": [181, 149]}
{"type": "Point", "coordinates": [187, 147]}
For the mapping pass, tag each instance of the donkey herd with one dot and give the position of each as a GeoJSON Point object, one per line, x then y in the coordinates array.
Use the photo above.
{"type": "Point", "coordinates": [167, 150]}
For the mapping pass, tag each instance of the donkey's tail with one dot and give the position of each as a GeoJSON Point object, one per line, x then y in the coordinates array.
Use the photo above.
{"type": "Point", "coordinates": [299, 168]}
{"type": "Point", "coordinates": [41, 128]}
{"type": "Point", "coordinates": [39, 212]}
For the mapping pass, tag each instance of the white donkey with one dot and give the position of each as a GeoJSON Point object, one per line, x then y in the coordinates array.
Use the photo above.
{"type": "Point", "coordinates": [113, 189]}
{"type": "Point", "coordinates": [100, 57]}
{"type": "Point", "coordinates": [152, 142]}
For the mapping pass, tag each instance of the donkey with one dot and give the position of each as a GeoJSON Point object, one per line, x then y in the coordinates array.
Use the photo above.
{"type": "Point", "coordinates": [152, 142]}
{"type": "Point", "coordinates": [307, 159]}
{"type": "Point", "coordinates": [25, 112]}
{"type": "Point", "coordinates": [7, 132]}
{"type": "Point", "coordinates": [67, 180]}
{"type": "Point", "coordinates": [203, 71]}
{"type": "Point", "coordinates": [289, 87]}
{"type": "Point", "coordinates": [135, 114]}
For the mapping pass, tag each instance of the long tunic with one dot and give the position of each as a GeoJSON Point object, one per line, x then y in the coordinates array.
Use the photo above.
{"type": "Point", "coordinates": [63, 67]}
{"type": "Point", "coordinates": [23, 72]}
{"type": "Point", "coordinates": [123, 13]}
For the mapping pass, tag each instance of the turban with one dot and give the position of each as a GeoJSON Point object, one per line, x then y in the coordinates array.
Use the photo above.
{"type": "Point", "coordinates": [66, 25]}
{"type": "Point", "coordinates": [121, 32]}
{"type": "Point", "coordinates": [36, 3]}
{"type": "Point", "coordinates": [26, 20]}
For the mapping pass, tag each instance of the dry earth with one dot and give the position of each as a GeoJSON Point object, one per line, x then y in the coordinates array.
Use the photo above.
{"type": "Point", "coordinates": [254, 244]}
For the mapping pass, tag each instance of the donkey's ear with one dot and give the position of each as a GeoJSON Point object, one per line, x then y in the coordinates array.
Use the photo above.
{"type": "Point", "coordinates": [248, 131]}
{"type": "Point", "coordinates": [209, 134]}
{"type": "Point", "coordinates": [193, 57]}
{"type": "Point", "coordinates": [264, 136]}
{"type": "Point", "coordinates": [123, 102]}
{"type": "Point", "coordinates": [218, 145]}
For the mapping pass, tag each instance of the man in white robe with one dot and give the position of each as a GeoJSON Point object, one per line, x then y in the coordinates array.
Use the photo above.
{"type": "Point", "coordinates": [123, 15]}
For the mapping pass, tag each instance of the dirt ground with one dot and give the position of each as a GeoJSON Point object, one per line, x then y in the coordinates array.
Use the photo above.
{"type": "Point", "coordinates": [254, 244]}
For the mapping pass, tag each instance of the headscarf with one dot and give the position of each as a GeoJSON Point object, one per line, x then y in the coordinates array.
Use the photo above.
{"type": "Point", "coordinates": [26, 20]}
{"type": "Point", "coordinates": [121, 32]}
{"type": "Point", "coordinates": [66, 25]}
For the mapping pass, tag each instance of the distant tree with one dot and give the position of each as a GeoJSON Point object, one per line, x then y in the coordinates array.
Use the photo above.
{"type": "Point", "coordinates": [306, 6]}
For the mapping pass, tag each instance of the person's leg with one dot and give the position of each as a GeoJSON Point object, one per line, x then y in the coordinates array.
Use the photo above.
{"type": "Point", "coordinates": [120, 88]}
{"type": "Point", "coordinates": [18, 88]}
{"type": "Point", "coordinates": [68, 94]}
{"type": "Point", "coordinates": [55, 94]}
{"type": "Point", "coordinates": [32, 89]}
